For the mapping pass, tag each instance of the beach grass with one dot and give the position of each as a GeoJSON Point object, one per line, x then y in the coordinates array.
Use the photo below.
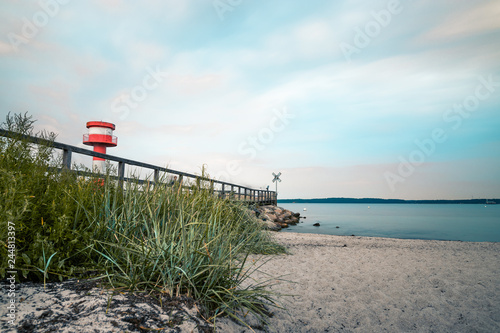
{"type": "Point", "coordinates": [140, 237]}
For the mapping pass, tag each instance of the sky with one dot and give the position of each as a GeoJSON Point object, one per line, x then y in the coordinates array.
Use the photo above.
{"type": "Point", "coordinates": [347, 98]}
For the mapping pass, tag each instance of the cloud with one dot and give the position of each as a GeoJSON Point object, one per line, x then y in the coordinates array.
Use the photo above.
{"type": "Point", "coordinates": [5, 48]}
{"type": "Point", "coordinates": [479, 20]}
{"type": "Point", "coordinates": [224, 79]}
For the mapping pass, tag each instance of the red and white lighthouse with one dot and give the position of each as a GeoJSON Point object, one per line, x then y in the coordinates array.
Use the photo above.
{"type": "Point", "coordinates": [100, 136]}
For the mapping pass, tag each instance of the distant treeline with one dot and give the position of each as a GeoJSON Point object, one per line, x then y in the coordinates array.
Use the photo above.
{"type": "Point", "coordinates": [389, 201]}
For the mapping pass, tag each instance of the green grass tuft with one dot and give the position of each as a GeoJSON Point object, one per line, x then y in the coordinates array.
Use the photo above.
{"type": "Point", "coordinates": [177, 240]}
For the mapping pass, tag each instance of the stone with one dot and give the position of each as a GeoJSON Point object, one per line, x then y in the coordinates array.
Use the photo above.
{"type": "Point", "coordinates": [280, 217]}
{"type": "Point", "coordinates": [265, 217]}
{"type": "Point", "coordinates": [270, 225]}
{"type": "Point", "coordinates": [316, 224]}
{"type": "Point", "coordinates": [272, 217]}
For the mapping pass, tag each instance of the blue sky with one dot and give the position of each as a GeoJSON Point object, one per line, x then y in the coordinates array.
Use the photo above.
{"type": "Point", "coordinates": [391, 99]}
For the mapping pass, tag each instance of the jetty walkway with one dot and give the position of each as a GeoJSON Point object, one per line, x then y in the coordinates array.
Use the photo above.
{"type": "Point", "coordinates": [186, 180]}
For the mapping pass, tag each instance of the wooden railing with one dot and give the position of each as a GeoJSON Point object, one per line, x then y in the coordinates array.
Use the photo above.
{"type": "Point", "coordinates": [237, 192]}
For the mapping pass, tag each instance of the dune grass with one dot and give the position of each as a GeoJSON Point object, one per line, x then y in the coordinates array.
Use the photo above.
{"type": "Point", "coordinates": [170, 239]}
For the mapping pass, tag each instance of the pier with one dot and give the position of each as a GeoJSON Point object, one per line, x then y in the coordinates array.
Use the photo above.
{"type": "Point", "coordinates": [220, 188]}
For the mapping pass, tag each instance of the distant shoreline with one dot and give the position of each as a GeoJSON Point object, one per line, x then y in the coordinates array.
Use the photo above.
{"type": "Point", "coordinates": [391, 201]}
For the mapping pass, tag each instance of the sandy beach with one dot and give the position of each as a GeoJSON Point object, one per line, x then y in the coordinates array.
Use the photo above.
{"type": "Point", "coordinates": [363, 284]}
{"type": "Point", "coordinates": [338, 283]}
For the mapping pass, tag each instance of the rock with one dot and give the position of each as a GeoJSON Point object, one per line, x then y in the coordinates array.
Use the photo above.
{"type": "Point", "coordinates": [280, 217]}
{"type": "Point", "coordinates": [337, 227]}
{"type": "Point", "coordinates": [316, 224]}
{"type": "Point", "coordinates": [267, 209]}
{"type": "Point", "coordinates": [272, 217]}
{"type": "Point", "coordinates": [265, 217]}
{"type": "Point", "coordinates": [270, 225]}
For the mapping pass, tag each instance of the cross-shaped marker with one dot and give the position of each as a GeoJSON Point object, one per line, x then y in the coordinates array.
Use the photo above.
{"type": "Point", "coordinates": [276, 177]}
{"type": "Point", "coordinates": [276, 180]}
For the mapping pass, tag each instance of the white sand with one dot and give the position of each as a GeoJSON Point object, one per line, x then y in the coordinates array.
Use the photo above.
{"type": "Point", "coordinates": [385, 285]}
{"type": "Point", "coordinates": [70, 307]}
{"type": "Point", "coordinates": [370, 285]}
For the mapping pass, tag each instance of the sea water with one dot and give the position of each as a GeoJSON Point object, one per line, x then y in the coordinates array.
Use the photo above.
{"type": "Point", "coordinates": [465, 222]}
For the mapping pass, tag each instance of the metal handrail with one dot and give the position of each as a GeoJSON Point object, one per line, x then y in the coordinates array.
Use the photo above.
{"type": "Point", "coordinates": [259, 196]}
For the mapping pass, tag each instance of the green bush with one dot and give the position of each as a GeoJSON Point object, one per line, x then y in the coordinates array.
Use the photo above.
{"type": "Point", "coordinates": [38, 200]}
{"type": "Point", "coordinates": [178, 240]}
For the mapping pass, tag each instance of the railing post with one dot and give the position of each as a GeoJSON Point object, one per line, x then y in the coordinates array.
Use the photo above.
{"type": "Point", "coordinates": [66, 159]}
{"type": "Point", "coordinates": [223, 192]}
{"type": "Point", "coordinates": [239, 192]}
{"type": "Point", "coordinates": [121, 174]}
{"type": "Point", "coordinates": [156, 177]}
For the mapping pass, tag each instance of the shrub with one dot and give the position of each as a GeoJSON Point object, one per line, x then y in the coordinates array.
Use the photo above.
{"type": "Point", "coordinates": [178, 240]}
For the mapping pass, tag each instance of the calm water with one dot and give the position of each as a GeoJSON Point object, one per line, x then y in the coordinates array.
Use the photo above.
{"type": "Point", "coordinates": [475, 223]}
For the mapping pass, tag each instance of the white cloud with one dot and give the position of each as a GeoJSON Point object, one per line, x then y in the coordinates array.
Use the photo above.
{"type": "Point", "coordinates": [5, 48]}
{"type": "Point", "coordinates": [480, 19]}
{"type": "Point", "coordinates": [225, 78]}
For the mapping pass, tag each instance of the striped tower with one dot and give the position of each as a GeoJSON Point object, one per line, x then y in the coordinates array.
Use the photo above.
{"type": "Point", "coordinates": [100, 136]}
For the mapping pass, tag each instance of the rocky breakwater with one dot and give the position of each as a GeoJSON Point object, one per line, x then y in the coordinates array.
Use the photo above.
{"type": "Point", "coordinates": [275, 218]}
